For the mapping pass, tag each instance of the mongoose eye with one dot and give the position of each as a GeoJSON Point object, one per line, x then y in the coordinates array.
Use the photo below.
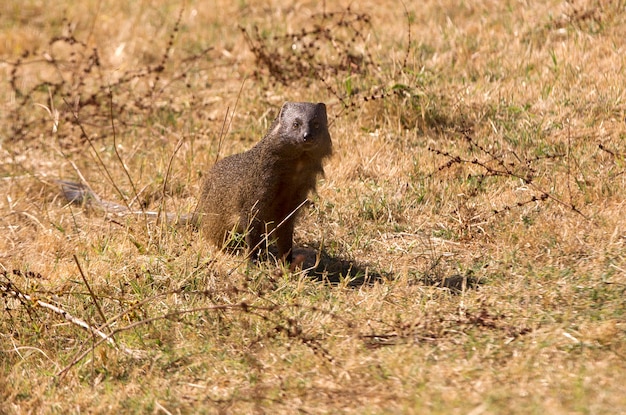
{"type": "Point", "coordinates": [296, 125]}
{"type": "Point", "coordinates": [316, 125]}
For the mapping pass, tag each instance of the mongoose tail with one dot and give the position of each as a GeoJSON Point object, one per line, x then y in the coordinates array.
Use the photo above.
{"type": "Point", "coordinates": [80, 194]}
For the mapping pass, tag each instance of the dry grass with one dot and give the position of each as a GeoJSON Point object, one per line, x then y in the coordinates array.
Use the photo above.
{"type": "Point", "coordinates": [479, 199]}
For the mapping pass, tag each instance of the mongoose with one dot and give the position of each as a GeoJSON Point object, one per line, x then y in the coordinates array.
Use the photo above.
{"type": "Point", "coordinates": [258, 192]}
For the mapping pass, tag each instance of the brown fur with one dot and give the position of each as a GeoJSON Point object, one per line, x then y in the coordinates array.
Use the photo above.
{"type": "Point", "coordinates": [256, 191]}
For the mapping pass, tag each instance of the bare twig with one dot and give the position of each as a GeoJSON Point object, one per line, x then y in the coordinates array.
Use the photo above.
{"type": "Point", "coordinates": [119, 158]}
{"type": "Point", "coordinates": [91, 293]}
{"type": "Point", "coordinates": [9, 289]}
{"type": "Point", "coordinates": [165, 180]}
{"type": "Point", "coordinates": [242, 306]}
{"type": "Point", "coordinates": [226, 127]}
{"type": "Point", "coordinates": [408, 45]}
{"type": "Point", "coordinates": [97, 154]}
{"type": "Point", "coordinates": [503, 170]}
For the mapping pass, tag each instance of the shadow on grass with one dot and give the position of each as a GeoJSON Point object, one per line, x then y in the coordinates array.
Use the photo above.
{"type": "Point", "coordinates": [320, 265]}
{"type": "Point", "coordinates": [456, 283]}
{"type": "Point", "coordinates": [334, 270]}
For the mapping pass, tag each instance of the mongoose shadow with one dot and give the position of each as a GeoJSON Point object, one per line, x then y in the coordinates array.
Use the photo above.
{"type": "Point", "coordinates": [318, 264]}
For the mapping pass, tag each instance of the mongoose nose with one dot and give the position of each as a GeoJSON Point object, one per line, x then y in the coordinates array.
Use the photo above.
{"type": "Point", "coordinates": [307, 135]}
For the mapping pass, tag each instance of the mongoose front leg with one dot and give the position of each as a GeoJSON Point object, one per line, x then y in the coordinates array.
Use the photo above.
{"type": "Point", "coordinates": [256, 243]}
{"type": "Point", "coordinates": [284, 235]}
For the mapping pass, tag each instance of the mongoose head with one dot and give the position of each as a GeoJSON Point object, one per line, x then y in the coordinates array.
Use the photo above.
{"type": "Point", "coordinates": [302, 127]}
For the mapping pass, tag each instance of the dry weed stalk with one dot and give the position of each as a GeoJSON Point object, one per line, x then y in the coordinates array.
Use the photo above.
{"type": "Point", "coordinates": [74, 74]}
{"type": "Point", "coordinates": [304, 56]}
{"type": "Point", "coordinates": [495, 165]}
{"type": "Point", "coordinates": [9, 289]}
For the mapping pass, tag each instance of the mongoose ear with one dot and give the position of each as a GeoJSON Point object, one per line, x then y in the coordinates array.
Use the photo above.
{"type": "Point", "coordinates": [284, 109]}
{"type": "Point", "coordinates": [321, 109]}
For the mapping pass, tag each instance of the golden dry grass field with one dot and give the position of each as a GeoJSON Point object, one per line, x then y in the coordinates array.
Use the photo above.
{"type": "Point", "coordinates": [469, 233]}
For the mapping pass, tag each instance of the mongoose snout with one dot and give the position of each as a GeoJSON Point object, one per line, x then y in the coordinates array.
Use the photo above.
{"type": "Point", "coordinates": [259, 191]}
